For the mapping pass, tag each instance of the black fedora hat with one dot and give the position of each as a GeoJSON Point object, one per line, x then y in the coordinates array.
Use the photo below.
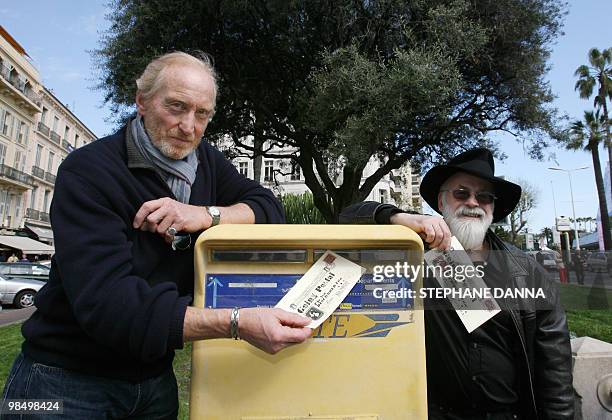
{"type": "Point", "coordinates": [478, 162]}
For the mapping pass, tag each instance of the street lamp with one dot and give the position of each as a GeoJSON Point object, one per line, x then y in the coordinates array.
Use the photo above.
{"type": "Point", "coordinates": [569, 174]}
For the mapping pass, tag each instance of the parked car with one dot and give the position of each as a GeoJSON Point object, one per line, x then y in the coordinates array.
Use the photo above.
{"type": "Point", "coordinates": [19, 292]}
{"type": "Point", "coordinates": [24, 270]}
{"type": "Point", "coordinates": [597, 261]}
{"type": "Point", "coordinates": [548, 260]}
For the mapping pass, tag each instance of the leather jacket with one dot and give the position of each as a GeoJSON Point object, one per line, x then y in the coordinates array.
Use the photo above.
{"type": "Point", "coordinates": [546, 390]}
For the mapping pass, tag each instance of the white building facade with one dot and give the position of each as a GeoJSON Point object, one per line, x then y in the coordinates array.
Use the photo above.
{"type": "Point", "coordinates": [400, 187]}
{"type": "Point", "coordinates": [37, 132]}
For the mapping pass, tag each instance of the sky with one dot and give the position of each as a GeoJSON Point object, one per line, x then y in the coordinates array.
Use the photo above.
{"type": "Point", "coordinates": [58, 35]}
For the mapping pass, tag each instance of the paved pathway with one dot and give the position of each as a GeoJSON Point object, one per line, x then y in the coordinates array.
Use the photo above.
{"type": "Point", "coordinates": [12, 316]}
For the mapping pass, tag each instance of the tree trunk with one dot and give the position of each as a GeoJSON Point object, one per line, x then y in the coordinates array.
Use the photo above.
{"type": "Point", "coordinates": [604, 105]}
{"type": "Point", "coordinates": [258, 143]}
{"type": "Point", "coordinates": [603, 205]}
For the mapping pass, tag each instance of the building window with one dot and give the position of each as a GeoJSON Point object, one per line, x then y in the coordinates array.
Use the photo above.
{"type": "Point", "coordinates": [382, 196]}
{"type": "Point", "coordinates": [2, 153]}
{"type": "Point", "coordinates": [9, 206]}
{"type": "Point", "coordinates": [33, 198]}
{"type": "Point", "coordinates": [17, 162]}
{"type": "Point", "coordinates": [66, 132]}
{"type": "Point", "coordinates": [46, 201]}
{"type": "Point", "coordinates": [243, 168]}
{"type": "Point", "coordinates": [39, 150]}
{"type": "Point", "coordinates": [50, 162]}
{"type": "Point", "coordinates": [296, 172]}
{"type": "Point", "coordinates": [21, 132]}
{"type": "Point", "coordinates": [7, 123]}
{"type": "Point", "coordinates": [55, 123]}
{"type": "Point", "coordinates": [17, 207]}
{"type": "Point", "coordinates": [268, 170]}
{"type": "Point", "coordinates": [3, 202]}
{"type": "Point", "coordinates": [76, 140]}
{"type": "Point", "coordinates": [43, 116]}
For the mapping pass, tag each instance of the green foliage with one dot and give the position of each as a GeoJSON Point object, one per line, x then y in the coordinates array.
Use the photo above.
{"type": "Point", "coordinates": [10, 346]}
{"type": "Point", "coordinates": [341, 82]}
{"type": "Point", "coordinates": [182, 371]}
{"type": "Point", "coordinates": [502, 233]}
{"type": "Point", "coordinates": [300, 209]}
{"type": "Point", "coordinates": [596, 75]}
{"type": "Point", "coordinates": [591, 323]}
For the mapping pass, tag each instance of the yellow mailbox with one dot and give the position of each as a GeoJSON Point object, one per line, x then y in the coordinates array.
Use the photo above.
{"type": "Point", "coordinates": [367, 361]}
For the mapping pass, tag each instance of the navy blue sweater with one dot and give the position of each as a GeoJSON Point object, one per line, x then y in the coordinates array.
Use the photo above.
{"type": "Point", "coordinates": [116, 298]}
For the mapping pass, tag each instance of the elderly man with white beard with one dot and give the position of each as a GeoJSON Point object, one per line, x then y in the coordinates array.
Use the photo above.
{"type": "Point", "coordinates": [517, 365]}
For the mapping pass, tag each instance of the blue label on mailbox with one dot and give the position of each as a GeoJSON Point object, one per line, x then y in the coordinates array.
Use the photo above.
{"type": "Point", "coordinates": [265, 290]}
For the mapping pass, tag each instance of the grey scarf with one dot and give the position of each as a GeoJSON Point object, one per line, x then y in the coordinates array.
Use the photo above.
{"type": "Point", "coordinates": [179, 174]}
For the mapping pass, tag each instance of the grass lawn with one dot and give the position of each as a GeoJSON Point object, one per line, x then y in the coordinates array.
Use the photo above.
{"type": "Point", "coordinates": [10, 346]}
{"type": "Point", "coordinates": [575, 297]}
{"type": "Point", "coordinates": [182, 370]}
{"type": "Point", "coordinates": [588, 311]}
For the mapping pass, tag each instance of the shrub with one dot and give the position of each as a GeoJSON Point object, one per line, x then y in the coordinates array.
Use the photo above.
{"type": "Point", "coordinates": [300, 209]}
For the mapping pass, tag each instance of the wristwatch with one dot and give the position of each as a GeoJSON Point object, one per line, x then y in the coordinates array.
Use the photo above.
{"type": "Point", "coordinates": [215, 214]}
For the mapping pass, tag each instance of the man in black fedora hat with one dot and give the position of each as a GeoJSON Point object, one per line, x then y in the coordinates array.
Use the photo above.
{"type": "Point", "coordinates": [518, 363]}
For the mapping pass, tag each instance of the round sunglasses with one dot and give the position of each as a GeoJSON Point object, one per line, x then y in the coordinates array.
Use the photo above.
{"type": "Point", "coordinates": [483, 197]}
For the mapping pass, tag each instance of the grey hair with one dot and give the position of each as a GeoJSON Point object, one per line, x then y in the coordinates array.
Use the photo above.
{"type": "Point", "coordinates": [151, 79]}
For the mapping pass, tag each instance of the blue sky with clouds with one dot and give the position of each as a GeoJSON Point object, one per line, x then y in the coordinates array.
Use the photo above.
{"type": "Point", "coordinates": [58, 35]}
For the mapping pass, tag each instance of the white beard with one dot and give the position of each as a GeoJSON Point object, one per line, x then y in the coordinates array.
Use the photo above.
{"type": "Point", "coordinates": [470, 232]}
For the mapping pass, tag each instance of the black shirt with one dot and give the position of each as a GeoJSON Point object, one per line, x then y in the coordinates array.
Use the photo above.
{"type": "Point", "coordinates": [478, 370]}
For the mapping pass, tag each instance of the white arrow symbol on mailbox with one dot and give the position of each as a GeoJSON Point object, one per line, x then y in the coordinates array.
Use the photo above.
{"type": "Point", "coordinates": [214, 282]}
{"type": "Point", "coordinates": [403, 284]}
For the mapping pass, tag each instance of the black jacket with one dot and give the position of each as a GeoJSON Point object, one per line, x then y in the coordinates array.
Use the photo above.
{"type": "Point", "coordinates": [546, 383]}
{"type": "Point", "coordinates": [116, 298]}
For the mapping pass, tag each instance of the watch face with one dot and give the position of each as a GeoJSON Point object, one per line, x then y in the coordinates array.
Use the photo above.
{"type": "Point", "coordinates": [214, 211]}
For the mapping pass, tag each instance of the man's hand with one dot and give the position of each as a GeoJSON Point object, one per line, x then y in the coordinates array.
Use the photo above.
{"type": "Point", "coordinates": [432, 229]}
{"type": "Point", "coordinates": [272, 330]}
{"type": "Point", "coordinates": [269, 329]}
{"type": "Point", "coordinates": [158, 215]}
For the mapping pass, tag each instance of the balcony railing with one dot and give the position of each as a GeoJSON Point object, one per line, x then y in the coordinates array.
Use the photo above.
{"type": "Point", "coordinates": [33, 96]}
{"type": "Point", "coordinates": [50, 177]}
{"type": "Point", "coordinates": [44, 129]}
{"type": "Point", "coordinates": [38, 172]}
{"type": "Point", "coordinates": [20, 84]}
{"type": "Point", "coordinates": [44, 217]}
{"type": "Point", "coordinates": [55, 137]}
{"type": "Point", "coordinates": [15, 174]}
{"type": "Point", "coordinates": [5, 72]}
{"type": "Point", "coordinates": [32, 214]}
{"type": "Point", "coordinates": [66, 145]}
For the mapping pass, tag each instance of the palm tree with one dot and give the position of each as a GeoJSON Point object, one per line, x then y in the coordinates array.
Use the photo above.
{"type": "Point", "coordinates": [588, 135]}
{"type": "Point", "coordinates": [599, 74]}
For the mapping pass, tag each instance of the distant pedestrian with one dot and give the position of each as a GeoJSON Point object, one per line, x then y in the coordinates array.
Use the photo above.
{"type": "Point", "coordinates": [13, 258]}
{"type": "Point", "coordinates": [577, 266]}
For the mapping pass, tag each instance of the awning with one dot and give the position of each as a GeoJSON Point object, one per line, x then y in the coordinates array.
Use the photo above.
{"type": "Point", "coordinates": [41, 232]}
{"type": "Point", "coordinates": [27, 245]}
